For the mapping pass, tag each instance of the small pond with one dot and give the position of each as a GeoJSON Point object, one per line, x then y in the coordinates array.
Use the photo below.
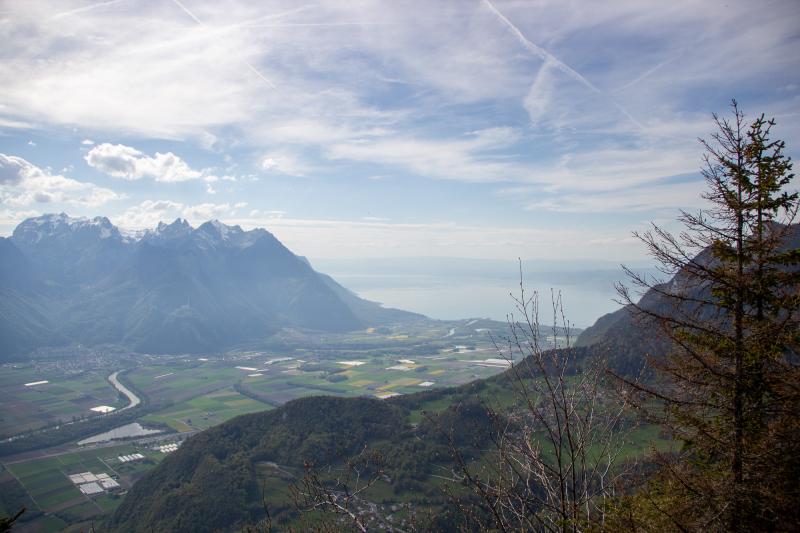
{"type": "Point", "coordinates": [134, 429]}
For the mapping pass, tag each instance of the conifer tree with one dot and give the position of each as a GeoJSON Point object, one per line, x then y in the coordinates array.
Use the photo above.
{"type": "Point", "coordinates": [730, 388]}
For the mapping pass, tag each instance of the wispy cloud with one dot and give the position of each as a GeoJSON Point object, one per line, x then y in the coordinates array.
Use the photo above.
{"type": "Point", "coordinates": [564, 103]}
{"type": "Point", "coordinates": [318, 238]}
{"type": "Point", "coordinates": [285, 163]}
{"type": "Point", "coordinates": [551, 61]}
{"type": "Point", "coordinates": [474, 157]}
{"type": "Point", "coordinates": [84, 9]}
{"type": "Point", "coordinates": [253, 69]}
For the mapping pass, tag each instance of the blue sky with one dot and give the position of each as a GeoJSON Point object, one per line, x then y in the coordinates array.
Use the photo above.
{"type": "Point", "coordinates": [483, 129]}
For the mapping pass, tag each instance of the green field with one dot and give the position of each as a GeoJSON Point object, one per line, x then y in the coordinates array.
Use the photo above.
{"type": "Point", "coordinates": [57, 501]}
{"type": "Point", "coordinates": [176, 381]}
{"type": "Point", "coordinates": [68, 394]}
{"type": "Point", "coordinates": [374, 375]}
{"type": "Point", "coordinates": [207, 410]}
{"type": "Point", "coordinates": [196, 392]}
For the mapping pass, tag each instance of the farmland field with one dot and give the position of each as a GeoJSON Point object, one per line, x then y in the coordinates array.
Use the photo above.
{"type": "Point", "coordinates": [187, 393]}
{"type": "Point", "coordinates": [176, 381]}
{"type": "Point", "coordinates": [65, 395]}
{"type": "Point", "coordinates": [208, 410]}
{"type": "Point", "coordinates": [56, 500]}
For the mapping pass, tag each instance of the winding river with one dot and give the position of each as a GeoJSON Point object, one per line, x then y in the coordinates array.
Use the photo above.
{"type": "Point", "coordinates": [133, 429]}
{"type": "Point", "coordinates": [124, 390]}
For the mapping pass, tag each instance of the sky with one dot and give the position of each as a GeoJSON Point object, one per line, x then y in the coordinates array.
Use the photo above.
{"type": "Point", "coordinates": [471, 128]}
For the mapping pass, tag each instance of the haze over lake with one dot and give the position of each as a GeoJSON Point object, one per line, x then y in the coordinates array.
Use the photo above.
{"type": "Point", "coordinates": [453, 288]}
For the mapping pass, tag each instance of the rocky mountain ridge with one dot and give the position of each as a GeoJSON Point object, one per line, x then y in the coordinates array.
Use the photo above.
{"type": "Point", "coordinates": [172, 289]}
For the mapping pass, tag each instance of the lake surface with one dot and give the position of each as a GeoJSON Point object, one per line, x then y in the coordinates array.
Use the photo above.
{"type": "Point", "coordinates": [469, 298]}
{"type": "Point", "coordinates": [446, 288]}
{"type": "Point", "coordinates": [134, 429]}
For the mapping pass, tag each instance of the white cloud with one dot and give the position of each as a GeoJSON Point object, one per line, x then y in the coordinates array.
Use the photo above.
{"type": "Point", "coordinates": [397, 84]}
{"type": "Point", "coordinates": [473, 157]}
{"type": "Point", "coordinates": [207, 211]}
{"type": "Point", "coordinates": [374, 237]}
{"type": "Point", "coordinates": [671, 196]}
{"type": "Point", "coordinates": [285, 163]}
{"type": "Point", "coordinates": [213, 178]}
{"type": "Point", "coordinates": [344, 67]}
{"type": "Point", "coordinates": [87, 142]}
{"type": "Point", "coordinates": [10, 219]}
{"type": "Point", "coordinates": [257, 214]}
{"type": "Point", "coordinates": [149, 213]}
{"type": "Point", "coordinates": [23, 184]}
{"type": "Point", "coordinates": [148, 71]}
{"type": "Point", "coordinates": [125, 162]}
{"type": "Point", "coordinates": [347, 238]}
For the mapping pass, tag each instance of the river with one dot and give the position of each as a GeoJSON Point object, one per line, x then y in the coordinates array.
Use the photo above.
{"type": "Point", "coordinates": [134, 400]}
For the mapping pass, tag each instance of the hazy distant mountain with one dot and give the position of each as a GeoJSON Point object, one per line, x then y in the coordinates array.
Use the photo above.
{"type": "Point", "coordinates": [627, 338]}
{"type": "Point", "coordinates": [173, 289]}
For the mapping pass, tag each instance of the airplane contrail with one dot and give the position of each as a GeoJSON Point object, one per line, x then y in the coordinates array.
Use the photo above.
{"type": "Point", "coordinates": [186, 10]}
{"type": "Point", "coordinates": [646, 74]}
{"type": "Point", "coordinates": [82, 9]}
{"type": "Point", "coordinates": [541, 52]}
{"type": "Point", "coordinates": [301, 24]}
{"type": "Point", "coordinates": [549, 58]}
{"type": "Point", "coordinates": [282, 14]}
{"type": "Point", "coordinates": [249, 65]}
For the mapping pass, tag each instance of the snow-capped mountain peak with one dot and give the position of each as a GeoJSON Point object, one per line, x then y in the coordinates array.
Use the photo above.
{"type": "Point", "coordinates": [60, 226]}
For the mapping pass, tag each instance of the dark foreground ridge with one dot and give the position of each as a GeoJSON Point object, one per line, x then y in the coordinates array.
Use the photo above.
{"type": "Point", "coordinates": [229, 476]}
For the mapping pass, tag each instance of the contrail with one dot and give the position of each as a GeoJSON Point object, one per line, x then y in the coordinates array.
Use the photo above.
{"type": "Point", "coordinates": [293, 24]}
{"type": "Point", "coordinates": [646, 74]}
{"type": "Point", "coordinates": [299, 9]}
{"type": "Point", "coordinates": [547, 57]}
{"type": "Point", "coordinates": [249, 65]}
{"type": "Point", "coordinates": [541, 52]}
{"type": "Point", "coordinates": [186, 10]}
{"type": "Point", "coordinates": [82, 9]}
{"type": "Point", "coordinates": [257, 73]}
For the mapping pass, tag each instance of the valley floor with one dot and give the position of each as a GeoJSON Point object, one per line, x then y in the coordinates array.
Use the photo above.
{"type": "Point", "coordinates": [184, 394]}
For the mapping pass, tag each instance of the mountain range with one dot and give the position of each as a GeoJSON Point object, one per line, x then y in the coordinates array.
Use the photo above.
{"type": "Point", "coordinates": [173, 289]}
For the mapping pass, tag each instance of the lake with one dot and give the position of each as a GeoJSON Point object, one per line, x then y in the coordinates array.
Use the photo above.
{"type": "Point", "coordinates": [134, 429]}
{"type": "Point", "coordinates": [446, 288]}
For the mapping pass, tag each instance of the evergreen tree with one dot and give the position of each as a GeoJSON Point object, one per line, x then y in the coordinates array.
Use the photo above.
{"type": "Point", "coordinates": [730, 387]}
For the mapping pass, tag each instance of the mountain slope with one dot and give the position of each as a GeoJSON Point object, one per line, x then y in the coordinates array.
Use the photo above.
{"type": "Point", "coordinates": [219, 479]}
{"type": "Point", "coordinates": [366, 310]}
{"type": "Point", "coordinates": [173, 289]}
{"type": "Point", "coordinates": [627, 338]}
{"type": "Point", "coordinates": [24, 321]}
